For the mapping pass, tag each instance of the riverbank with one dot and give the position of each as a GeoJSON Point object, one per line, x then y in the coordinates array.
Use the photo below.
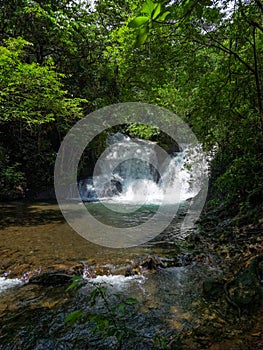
{"type": "Point", "coordinates": [235, 298]}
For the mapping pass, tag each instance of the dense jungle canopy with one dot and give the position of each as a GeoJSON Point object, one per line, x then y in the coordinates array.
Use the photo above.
{"type": "Point", "coordinates": [201, 59]}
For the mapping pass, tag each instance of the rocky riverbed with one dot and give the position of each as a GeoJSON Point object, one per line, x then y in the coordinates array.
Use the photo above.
{"type": "Point", "coordinates": [204, 292]}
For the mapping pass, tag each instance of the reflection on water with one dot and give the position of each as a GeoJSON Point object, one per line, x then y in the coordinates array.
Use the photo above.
{"type": "Point", "coordinates": [121, 215]}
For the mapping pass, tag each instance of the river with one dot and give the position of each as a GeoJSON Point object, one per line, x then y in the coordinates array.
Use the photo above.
{"type": "Point", "coordinates": [163, 278]}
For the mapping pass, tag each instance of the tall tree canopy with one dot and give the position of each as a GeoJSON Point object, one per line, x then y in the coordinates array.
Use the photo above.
{"type": "Point", "coordinates": [207, 59]}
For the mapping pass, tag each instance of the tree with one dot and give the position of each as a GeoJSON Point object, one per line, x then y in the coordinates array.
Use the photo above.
{"type": "Point", "coordinates": [34, 112]}
{"type": "Point", "coordinates": [215, 82]}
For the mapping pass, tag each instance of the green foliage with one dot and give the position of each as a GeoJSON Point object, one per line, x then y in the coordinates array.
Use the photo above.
{"type": "Point", "coordinates": [200, 59]}
{"type": "Point", "coordinates": [30, 92]}
{"type": "Point", "coordinates": [12, 181]}
{"type": "Point", "coordinates": [77, 283]}
{"type": "Point", "coordinates": [107, 322]}
{"type": "Point", "coordinates": [146, 132]}
{"type": "Point", "coordinates": [34, 107]}
{"type": "Point", "coordinates": [152, 12]}
{"type": "Point", "coordinates": [207, 68]}
{"type": "Point", "coordinates": [74, 316]}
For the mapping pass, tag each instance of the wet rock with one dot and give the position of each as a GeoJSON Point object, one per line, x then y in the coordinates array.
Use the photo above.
{"type": "Point", "coordinates": [213, 288]}
{"type": "Point", "coordinates": [151, 262]}
{"type": "Point", "coordinates": [148, 263]}
{"type": "Point", "coordinates": [51, 278]}
{"type": "Point", "coordinates": [70, 269]}
{"type": "Point", "coordinates": [245, 291]}
{"type": "Point", "coordinates": [127, 270]}
{"type": "Point", "coordinates": [116, 186]}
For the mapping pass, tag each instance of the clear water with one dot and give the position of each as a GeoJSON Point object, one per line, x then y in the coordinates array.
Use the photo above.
{"type": "Point", "coordinates": [121, 214]}
{"type": "Point", "coordinates": [35, 237]}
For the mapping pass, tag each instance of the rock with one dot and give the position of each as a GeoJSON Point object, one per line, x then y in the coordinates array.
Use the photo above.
{"type": "Point", "coordinates": [245, 291]}
{"type": "Point", "coordinates": [213, 288]}
{"type": "Point", "coordinates": [151, 262]}
{"type": "Point", "coordinates": [69, 269]}
{"type": "Point", "coordinates": [116, 187]}
{"type": "Point", "coordinates": [51, 278]}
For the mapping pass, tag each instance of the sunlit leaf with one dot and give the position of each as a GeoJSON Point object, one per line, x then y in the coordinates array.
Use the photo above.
{"type": "Point", "coordinates": [148, 7]}
{"type": "Point", "coordinates": [163, 16]}
{"type": "Point", "coordinates": [157, 11]}
{"type": "Point", "coordinates": [138, 21]}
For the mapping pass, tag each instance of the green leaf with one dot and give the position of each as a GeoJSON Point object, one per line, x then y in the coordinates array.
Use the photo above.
{"type": "Point", "coordinates": [142, 36]}
{"type": "Point", "coordinates": [102, 290]}
{"type": "Point", "coordinates": [77, 283]}
{"type": "Point", "coordinates": [199, 10]}
{"type": "Point", "coordinates": [120, 307]}
{"type": "Point", "coordinates": [131, 301]}
{"type": "Point", "coordinates": [138, 21]}
{"type": "Point", "coordinates": [74, 316]}
{"type": "Point", "coordinates": [163, 16]}
{"type": "Point", "coordinates": [93, 295]}
{"type": "Point", "coordinates": [148, 7]}
{"type": "Point", "coordinates": [157, 11]}
{"type": "Point", "coordinates": [119, 335]}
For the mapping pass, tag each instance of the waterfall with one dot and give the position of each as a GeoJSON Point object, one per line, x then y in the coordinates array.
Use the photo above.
{"type": "Point", "coordinates": [132, 171]}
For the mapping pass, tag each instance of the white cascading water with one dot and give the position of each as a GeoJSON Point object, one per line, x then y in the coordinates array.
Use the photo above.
{"type": "Point", "coordinates": [134, 180]}
{"type": "Point", "coordinates": [6, 283]}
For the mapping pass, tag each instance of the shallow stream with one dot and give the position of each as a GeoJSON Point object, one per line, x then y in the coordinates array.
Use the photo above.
{"type": "Point", "coordinates": [34, 238]}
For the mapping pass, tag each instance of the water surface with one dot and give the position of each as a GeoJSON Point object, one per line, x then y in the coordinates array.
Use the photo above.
{"type": "Point", "coordinates": [35, 235]}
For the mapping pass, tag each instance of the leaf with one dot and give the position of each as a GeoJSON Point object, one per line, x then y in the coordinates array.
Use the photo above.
{"type": "Point", "coordinates": [102, 290]}
{"type": "Point", "coordinates": [186, 2]}
{"type": "Point", "coordinates": [157, 11]}
{"type": "Point", "coordinates": [78, 282]}
{"type": "Point", "coordinates": [93, 295]}
{"type": "Point", "coordinates": [74, 316]}
{"type": "Point", "coordinates": [119, 335]}
{"type": "Point", "coordinates": [142, 36]}
{"type": "Point", "coordinates": [148, 7]}
{"type": "Point", "coordinates": [131, 301]}
{"type": "Point", "coordinates": [120, 307]}
{"type": "Point", "coordinates": [199, 10]}
{"type": "Point", "coordinates": [138, 21]}
{"type": "Point", "coordinates": [117, 295]}
{"type": "Point", "coordinates": [163, 16]}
